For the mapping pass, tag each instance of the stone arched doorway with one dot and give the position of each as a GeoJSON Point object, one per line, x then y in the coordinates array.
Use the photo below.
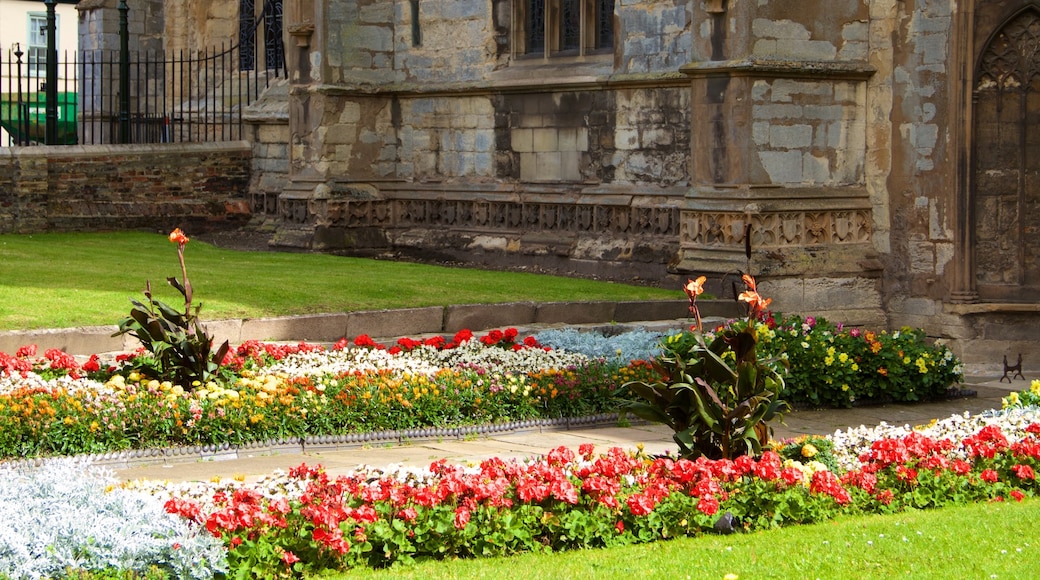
{"type": "Point", "coordinates": [1006, 154]}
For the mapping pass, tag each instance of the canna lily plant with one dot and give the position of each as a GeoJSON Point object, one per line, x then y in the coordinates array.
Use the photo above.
{"type": "Point", "coordinates": [716, 396]}
{"type": "Point", "coordinates": [179, 347]}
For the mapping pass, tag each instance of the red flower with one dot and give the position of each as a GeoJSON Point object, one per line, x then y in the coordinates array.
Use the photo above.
{"type": "Point", "coordinates": [639, 504]}
{"type": "Point", "coordinates": [885, 497]}
{"type": "Point", "coordinates": [960, 467]}
{"type": "Point", "coordinates": [1024, 471]}
{"type": "Point", "coordinates": [620, 527]}
{"type": "Point", "coordinates": [461, 517]}
{"type": "Point", "coordinates": [289, 558]}
{"type": "Point", "coordinates": [907, 474]}
{"type": "Point", "coordinates": [708, 505]}
{"type": "Point", "coordinates": [989, 476]}
{"type": "Point", "coordinates": [26, 351]}
{"type": "Point", "coordinates": [364, 340]}
{"type": "Point", "coordinates": [1017, 495]}
{"type": "Point", "coordinates": [408, 514]}
{"type": "Point", "coordinates": [791, 476]}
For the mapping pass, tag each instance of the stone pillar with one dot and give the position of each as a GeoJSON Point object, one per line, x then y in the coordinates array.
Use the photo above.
{"type": "Point", "coordinates": [962, 83]}
{"type": "Point", "coordinates": [778, 129]}
{"type": "Point", "coordinates": [307, 176]}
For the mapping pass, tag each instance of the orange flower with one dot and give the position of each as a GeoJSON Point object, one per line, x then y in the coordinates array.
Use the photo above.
{"type": "Point", "coordinates": [178, 237]}
{"type": "Point", "coordinates": [752, 297]}
{"type": "Point", "coordinates": [695, 288]}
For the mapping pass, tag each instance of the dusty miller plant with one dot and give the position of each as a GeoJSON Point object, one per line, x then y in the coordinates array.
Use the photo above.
{"type": "Point", "coordinates": [67, 515]}
{"type": "Point", "coordinates": [179, 348]}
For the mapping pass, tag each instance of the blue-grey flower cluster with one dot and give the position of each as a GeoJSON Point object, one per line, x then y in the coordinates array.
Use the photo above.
{"type": "Point", "coordinates": [66, 515]}
{"type": "Point", "coordinates": [624, 347]}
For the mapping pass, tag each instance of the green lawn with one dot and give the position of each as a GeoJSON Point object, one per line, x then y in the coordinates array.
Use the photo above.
{"type": "Point", "coordinates": [63, 280]}
{"type": "Point", "coordinates": [980, 541]}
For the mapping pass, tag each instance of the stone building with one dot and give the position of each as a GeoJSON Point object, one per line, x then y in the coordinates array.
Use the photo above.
{"type": "Point", "coordinates": [872, 161]}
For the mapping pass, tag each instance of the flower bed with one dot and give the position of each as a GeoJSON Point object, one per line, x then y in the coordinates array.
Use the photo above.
{"type": "Point", "coordinates": [53, 405]}
{"type": "Point", "coordinates": [307, 521]}
{"type": "Point", "coordinates": [831, 366]}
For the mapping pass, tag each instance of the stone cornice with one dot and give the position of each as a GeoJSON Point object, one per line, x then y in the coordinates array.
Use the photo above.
{"type": "Point", "coordinates": [533, 84]}
{"type": "Point", "coordinates": [753, 67]}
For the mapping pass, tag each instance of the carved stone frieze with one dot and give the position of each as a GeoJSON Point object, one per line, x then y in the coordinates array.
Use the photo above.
{"type": "Point", "coordinates": [482, 215]}
{"type": "Point", "coordinates": [776, 229]}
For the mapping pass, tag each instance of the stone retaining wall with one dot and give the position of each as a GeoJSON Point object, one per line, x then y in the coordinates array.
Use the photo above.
{"type": "Point", "coordinates": [105, 187]}
{"type": "Point", "coordinates": [386, 325]}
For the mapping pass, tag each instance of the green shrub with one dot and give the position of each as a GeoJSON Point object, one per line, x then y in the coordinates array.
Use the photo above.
{"type": "Point", "coordinates": [830, 366]}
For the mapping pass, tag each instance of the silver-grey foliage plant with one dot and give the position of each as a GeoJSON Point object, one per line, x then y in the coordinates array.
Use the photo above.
{"type": "Point", "coordinates": [66, 516]}
{"type": "Point", "coordinates": [624, 347]}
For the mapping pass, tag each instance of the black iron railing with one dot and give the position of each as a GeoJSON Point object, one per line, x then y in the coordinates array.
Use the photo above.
{"type": "Point", "coordinates": [172, 97]}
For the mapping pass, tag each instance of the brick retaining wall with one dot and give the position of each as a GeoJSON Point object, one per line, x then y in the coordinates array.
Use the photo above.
{"type": "Point", "coordinates": [105, 187]}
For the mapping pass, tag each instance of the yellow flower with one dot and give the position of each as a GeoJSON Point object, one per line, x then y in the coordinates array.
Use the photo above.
{"type": "Point", "coordinates": [843, 358]}
{"type": "Point", "coordinates": [809, 450]}
{"type": "Point", "coordinates": [1011, 400]}
{"type": "Point", "coordinates": [1035, 387]}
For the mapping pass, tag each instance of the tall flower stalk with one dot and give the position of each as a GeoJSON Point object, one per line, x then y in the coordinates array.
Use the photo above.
{"type": "Point", "coordinates": [178, 237]}
{"type": "Point", "coordinates": [180, 348]}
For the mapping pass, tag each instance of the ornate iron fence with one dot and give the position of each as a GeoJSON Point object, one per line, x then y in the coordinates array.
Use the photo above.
{"type": "Point", "coordinates": [173, 97]}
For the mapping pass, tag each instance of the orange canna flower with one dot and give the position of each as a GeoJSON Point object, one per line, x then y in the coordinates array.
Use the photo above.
{"type": "Point", "coordinates": [695, 288]}
{"type": "Point", "coordinates": [178, 237]}
{"type": "Point", "coordinates": [752, 297]}
{"type": "Point", "coordinates": [749, 281]}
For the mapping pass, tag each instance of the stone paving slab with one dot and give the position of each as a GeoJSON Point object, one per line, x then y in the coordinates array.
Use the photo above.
{"type": "Point", "coordinates": [656, 439]}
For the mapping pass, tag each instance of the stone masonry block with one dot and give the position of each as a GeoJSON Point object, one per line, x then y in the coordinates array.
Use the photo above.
{"type": "Point", "coordinates": [574, 312]}
{"type": "Point", "coordinates": [314, 328]}
{"type": "Point", "coordinates": [79, 341]}
{"type": "Point", "coordinates": [221, 330]}
{"type": "Point", "coordinates": [522, 140]}
{"type": "Point", "coordinates": [651, 310]}
{"type": "Point", "coordinates": [478, 317]}
{"type": "Point", "coordinates": [549, 166]}
{"type": "Point", "coordinates": [768, 28]}
{"type": "Point", "coordinates": [790, 136]}
{"type": "Point", "coordinates": [387, 323]}
{"type": "Point", "coordinates": [545, 140]}
{"type": "Point", "coordinates": [782, 166]}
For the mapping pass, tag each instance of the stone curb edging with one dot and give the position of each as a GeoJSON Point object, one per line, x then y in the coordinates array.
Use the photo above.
{"type": "Point", "coordinates": [295, 445]}
{"type": "Point", "coordinates": [331, 327]}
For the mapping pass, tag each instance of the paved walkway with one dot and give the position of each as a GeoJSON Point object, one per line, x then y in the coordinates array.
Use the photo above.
{"type": "Point", "coordinates": [654, 438]}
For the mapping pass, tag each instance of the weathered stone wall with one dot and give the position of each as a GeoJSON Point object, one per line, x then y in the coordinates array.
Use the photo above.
{"type": "Point", "coordinates": [809, 132]}
{"type": "Point", "coordinates": [105, 187]}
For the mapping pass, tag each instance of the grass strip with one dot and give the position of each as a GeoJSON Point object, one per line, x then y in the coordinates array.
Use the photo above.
{"type": "Point", "coordinates": [83, 279]}
{"type": "Point", "coordinates": [996, 540]}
